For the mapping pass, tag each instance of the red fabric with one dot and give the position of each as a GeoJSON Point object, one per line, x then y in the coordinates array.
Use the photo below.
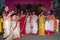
{"type": "Point", "coordinates": [49, 32]}
{"type": "Point", "coordinates": [22, 25]}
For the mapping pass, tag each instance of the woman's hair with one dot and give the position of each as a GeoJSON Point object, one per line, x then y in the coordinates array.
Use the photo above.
{"type": "Point", "coordinates": [1, 11]}
{"type": "Point", "coordinates": [51, 12]}
{"type": "Point", "coordinates": [41, 12]}
{"type": "Point", "coordinates": [28, 13]}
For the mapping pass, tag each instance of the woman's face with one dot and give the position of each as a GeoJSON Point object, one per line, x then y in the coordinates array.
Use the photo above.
{"type": "Point", "coordinates": [49, 17]}
{"type": "Point", "coordinates": [21, 12]}
{"type": "Point", "coordinates": [30, 13]}
{"type": "Point", "coordinates": [27, 13]}
{"type": "Point", "coordinates": [33, 13]}
{"type": "Point", "coordinates": [42, 13]}
{"type": "Point", "coordinates": [52, 15]}
{"type": "Point", "coordinates": [6, 9]}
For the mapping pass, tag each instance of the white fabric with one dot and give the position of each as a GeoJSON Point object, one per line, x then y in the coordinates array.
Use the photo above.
{"type": "Point", "coordinates": [49, 25]}
{"type": "Point", "coordinates": [16, 32]}
{"type": "Point", "coordinates": [34, 24]}
{"type": "Point", "coordinates": [57, 25]}
{"type": "Point", "coordinates": [7, 28]}
{"type": "Point", "coordinates": [28, 26]}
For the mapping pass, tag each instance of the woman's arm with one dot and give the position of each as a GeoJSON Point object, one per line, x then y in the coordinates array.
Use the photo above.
{"type": "Point", "coordinates": [18, 18]}
{"type": "Point", "coordinates": [8, 15]}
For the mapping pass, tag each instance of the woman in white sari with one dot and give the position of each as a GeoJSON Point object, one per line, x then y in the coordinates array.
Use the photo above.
{"type": "Point", "coordinates": [16, 29]}
{"type": "Point", "coordinates": [7, 25]}
{"type": "Point", "coordinates": [34, 23]}
{"type": "Point", "coordinates": [28, 26]}
{"type": "Point", "coordinates": [49, 26]}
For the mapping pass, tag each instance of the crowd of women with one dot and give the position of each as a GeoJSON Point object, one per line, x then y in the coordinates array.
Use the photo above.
{"type": "Point", "coordinates": [15, 24]}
